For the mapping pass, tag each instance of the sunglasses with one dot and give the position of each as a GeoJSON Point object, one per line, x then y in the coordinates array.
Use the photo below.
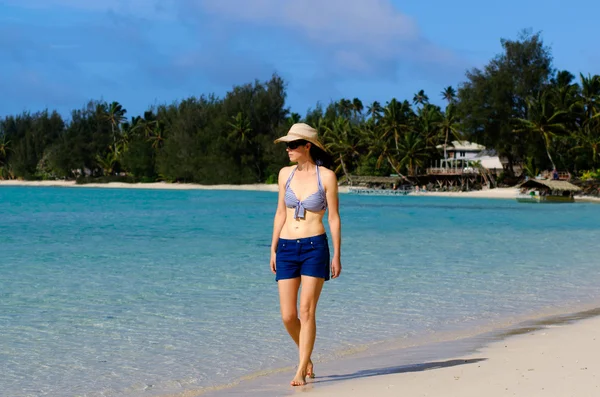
{"type": "Point", "coordinates": [295, 144]}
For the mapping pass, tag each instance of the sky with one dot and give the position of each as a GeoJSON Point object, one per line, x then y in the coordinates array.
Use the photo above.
{"type": "Point", "coordinates": [59, 54]}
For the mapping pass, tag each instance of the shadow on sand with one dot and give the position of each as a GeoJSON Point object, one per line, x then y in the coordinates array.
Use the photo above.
{"type": "Point", "coordinates": [397, 370]}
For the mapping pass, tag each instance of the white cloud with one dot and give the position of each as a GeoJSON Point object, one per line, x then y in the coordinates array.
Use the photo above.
{"type": "Point", "coordinates": [360, 36]}
{"type": "Point", "coordinates": [375, 24]}
{"type": "Point", "coordinates": [367, 37]}
{"type": "Point", "coordinates": [140, 8]}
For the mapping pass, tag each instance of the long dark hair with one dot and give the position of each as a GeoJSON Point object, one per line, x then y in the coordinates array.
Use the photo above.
{"type": "Point", "coordinates": [321, 157]}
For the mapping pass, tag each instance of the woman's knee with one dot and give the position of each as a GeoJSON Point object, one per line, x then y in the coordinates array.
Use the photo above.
{"type": "Point", "coordinates": [307, 313]}
{"type": "Point", "coordinates": [289, 317]}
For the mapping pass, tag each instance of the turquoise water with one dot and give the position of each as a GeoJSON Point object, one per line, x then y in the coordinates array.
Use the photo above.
{"type": "Point", "coordinates": [117, 292]}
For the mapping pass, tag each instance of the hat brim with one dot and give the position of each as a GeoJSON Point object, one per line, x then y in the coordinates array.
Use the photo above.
{"type": "Point", "coordinates": [292, 138]}
{"type": "Point", "coordinates": [289, 138]}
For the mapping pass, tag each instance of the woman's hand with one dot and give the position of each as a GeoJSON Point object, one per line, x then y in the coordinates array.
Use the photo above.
{"type": "Point", "coordinates": [336, 267]}
{"type": "Point", "coordinates": [273, 268]}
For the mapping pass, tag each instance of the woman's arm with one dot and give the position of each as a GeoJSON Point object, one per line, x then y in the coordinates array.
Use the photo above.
{"type": "Point", "coordinates": [335, 223]}
{"type": "Point", "coordinates": [280, 214]}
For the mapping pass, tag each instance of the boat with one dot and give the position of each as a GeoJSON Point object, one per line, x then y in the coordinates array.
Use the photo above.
{"type": "Point", "coordinates": [547, 191]}
{"type": "Point", "coordinates": [377, 185]}
{"type": "Point", "coordinates": [378, 192]}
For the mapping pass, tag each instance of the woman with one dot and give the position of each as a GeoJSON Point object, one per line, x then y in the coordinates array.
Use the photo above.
{"type": "Point", "coordinates": [300, 250]}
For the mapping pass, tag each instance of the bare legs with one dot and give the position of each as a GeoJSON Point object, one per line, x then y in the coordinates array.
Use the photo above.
{"type": "Point", "coordinates": [303, 328]}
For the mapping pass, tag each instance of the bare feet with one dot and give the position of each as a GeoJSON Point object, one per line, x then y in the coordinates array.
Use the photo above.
{"type": "Point", "coordinates": [310, 370]}
{"type": "Point", "coordinates": [299, 379]}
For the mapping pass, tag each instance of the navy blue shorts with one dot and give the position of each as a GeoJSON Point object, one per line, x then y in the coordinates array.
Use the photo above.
{"type": "Point", "coordinates": [307, 256]}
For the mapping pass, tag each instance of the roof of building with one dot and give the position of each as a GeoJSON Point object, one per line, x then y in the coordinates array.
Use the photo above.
{"type": "Point", "coordinates": [552, 184]}
{"type": "Point", "coordinates": [463, 146]}
{"type": "Point", "coordinates": [489, 162]}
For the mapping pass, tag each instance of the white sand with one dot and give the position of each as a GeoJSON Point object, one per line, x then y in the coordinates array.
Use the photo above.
{"type": "Point", "coordinates": [558, 361]}
{"type": "Point", "coordinates": [153, 185]}
{"type": "Point", "coordinates": [499, 193]}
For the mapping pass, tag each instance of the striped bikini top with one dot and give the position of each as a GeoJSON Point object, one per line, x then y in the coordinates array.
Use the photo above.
{"type": "Point", "coordinates": [315, 202]}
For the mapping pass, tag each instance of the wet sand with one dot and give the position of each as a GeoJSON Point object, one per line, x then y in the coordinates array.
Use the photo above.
{"type": "Point", "coordinates": [558, 359]}
{"type": "Point", "coordinates": [554, 356]}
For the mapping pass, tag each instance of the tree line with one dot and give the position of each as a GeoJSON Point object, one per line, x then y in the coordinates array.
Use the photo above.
{"type": "Point", "coordinates": [518, 105]}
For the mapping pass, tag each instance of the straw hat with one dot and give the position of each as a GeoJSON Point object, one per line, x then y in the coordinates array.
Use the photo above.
{"type": "Point", "coordinates": [302, 131]}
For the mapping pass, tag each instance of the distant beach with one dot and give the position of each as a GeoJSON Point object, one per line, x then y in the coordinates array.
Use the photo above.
{"type": "Point", "coordinates": [498, 193]}
{"type": "Point", "coordinates": [153, 185]}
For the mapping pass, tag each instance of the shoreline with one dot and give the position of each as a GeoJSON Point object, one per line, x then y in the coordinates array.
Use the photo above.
{"type": "Point", "coordinates": [551, 357]}
{"type": "Point", "coordinates": [498, 193]}
{"type": "Point", "coordinates": [493, 360]}
{"type": "Point", "coordinates": [152, 185]}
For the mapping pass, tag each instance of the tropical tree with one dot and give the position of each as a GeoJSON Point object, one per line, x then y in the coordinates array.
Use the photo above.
{"type": "Point", "coordinates": [345, 108]}
{"type": "Point", "coordinates": [342, 140]}
{"type": "Point", "coordinates": [374, 111]}
{"type": "Point", "coordinates": [544, 120]}
{"type": "Point", "coordinates": [588, 140]}
{"type": "Point", "coordinates": [115, 114]}
{"type": "Point", "coordinates": [357, 107]}
{"type": "Point", "coordinates": [420, 98]}
{"type": "Point", "coordinates": [494, 96]}
{"type": "Point", "coordinates": [590, 94]}
{"type": "Point", "coordinates": [449, 126]}
{"type": "Point", "coordinates": [413, 152]}
{"type": "Point", "coordinates": [4, 147]}
{"type": "Point", "coordinates": [240, 129]}
{"type": "Point", "coordinates": [449, 94]}
{"type": "Point", "coordinates": [427, 123]}
{"type": "Point", "coordinates": [396, 120]}
{"type": "Point", "coordinates": [293, 119]}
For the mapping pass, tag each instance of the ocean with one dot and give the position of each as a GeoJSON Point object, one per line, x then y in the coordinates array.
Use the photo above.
{"type": "Point", "coordinates": [134, 292]}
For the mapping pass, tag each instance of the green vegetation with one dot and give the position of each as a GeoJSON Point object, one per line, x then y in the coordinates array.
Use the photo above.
{"type": "Point", "coordinates": [518, 105]}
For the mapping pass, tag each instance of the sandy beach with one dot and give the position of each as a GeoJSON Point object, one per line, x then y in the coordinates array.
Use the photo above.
{"type": "Point", "coordinates": [498, 193]}
{"type": "Point", "coordinates": [154, 185]}
{"type": "Point", "coordinates": [558, 360]}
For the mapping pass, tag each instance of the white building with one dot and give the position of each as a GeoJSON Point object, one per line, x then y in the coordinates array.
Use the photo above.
{"type": "Point", "coordinates": [470, 151]}
{"type": "Point", "coordinates": [462, 150]}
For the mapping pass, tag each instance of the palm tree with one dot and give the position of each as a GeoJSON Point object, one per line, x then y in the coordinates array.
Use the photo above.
{"type": "Point", "coordinates": [240, 128]}
{"type": "Point", "coordinates": [115, 114]}
{"type": "Point", "coordinates": [148, 124]}
{"type": "Point", "coordinates": [341, 140]}
{"type": "Point", "coordinates": [374, 110]}
{"type": "Point", "coordinates": [420, 98]}
{"type": "Point", "coordinates": [449, 94]}
{"type": "Point", "coordinates": [590, 94]}
{"type": "Point", "coordinates": [5, 169]}
{"type": "Point", "coordinates": [156, 135]}
{"type": "Point", "coordinates": [108, 162]}
{"type": "Point", "coordinates": [544, 120]}
{"type": "Point", "coordinates": [293, 119]}
{"type": "Point", "coordinates": [565, 91]}
{"type": "Point", "coordinates": [412, 152]}
{"type": "Point", "coordinates": [448, 126]}
{"type": "Point", "coordinates": [427, 124]}
{"type": "Point", "coordinates": [345, 108]}
{"type": "Point", "coordinates": [396, 119]}
{"type": "Point", "coordinates": [357, 106]}
{"type": "Point", "coordinates": [4, 147]}
{"type": "Point", "coordinates": [382, 147]}
{"type": "Point", "coordinates": [589, 139]}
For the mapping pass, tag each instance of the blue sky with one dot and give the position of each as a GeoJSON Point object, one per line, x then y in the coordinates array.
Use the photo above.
{"type": "Point", "coordinates": [58, 54]}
